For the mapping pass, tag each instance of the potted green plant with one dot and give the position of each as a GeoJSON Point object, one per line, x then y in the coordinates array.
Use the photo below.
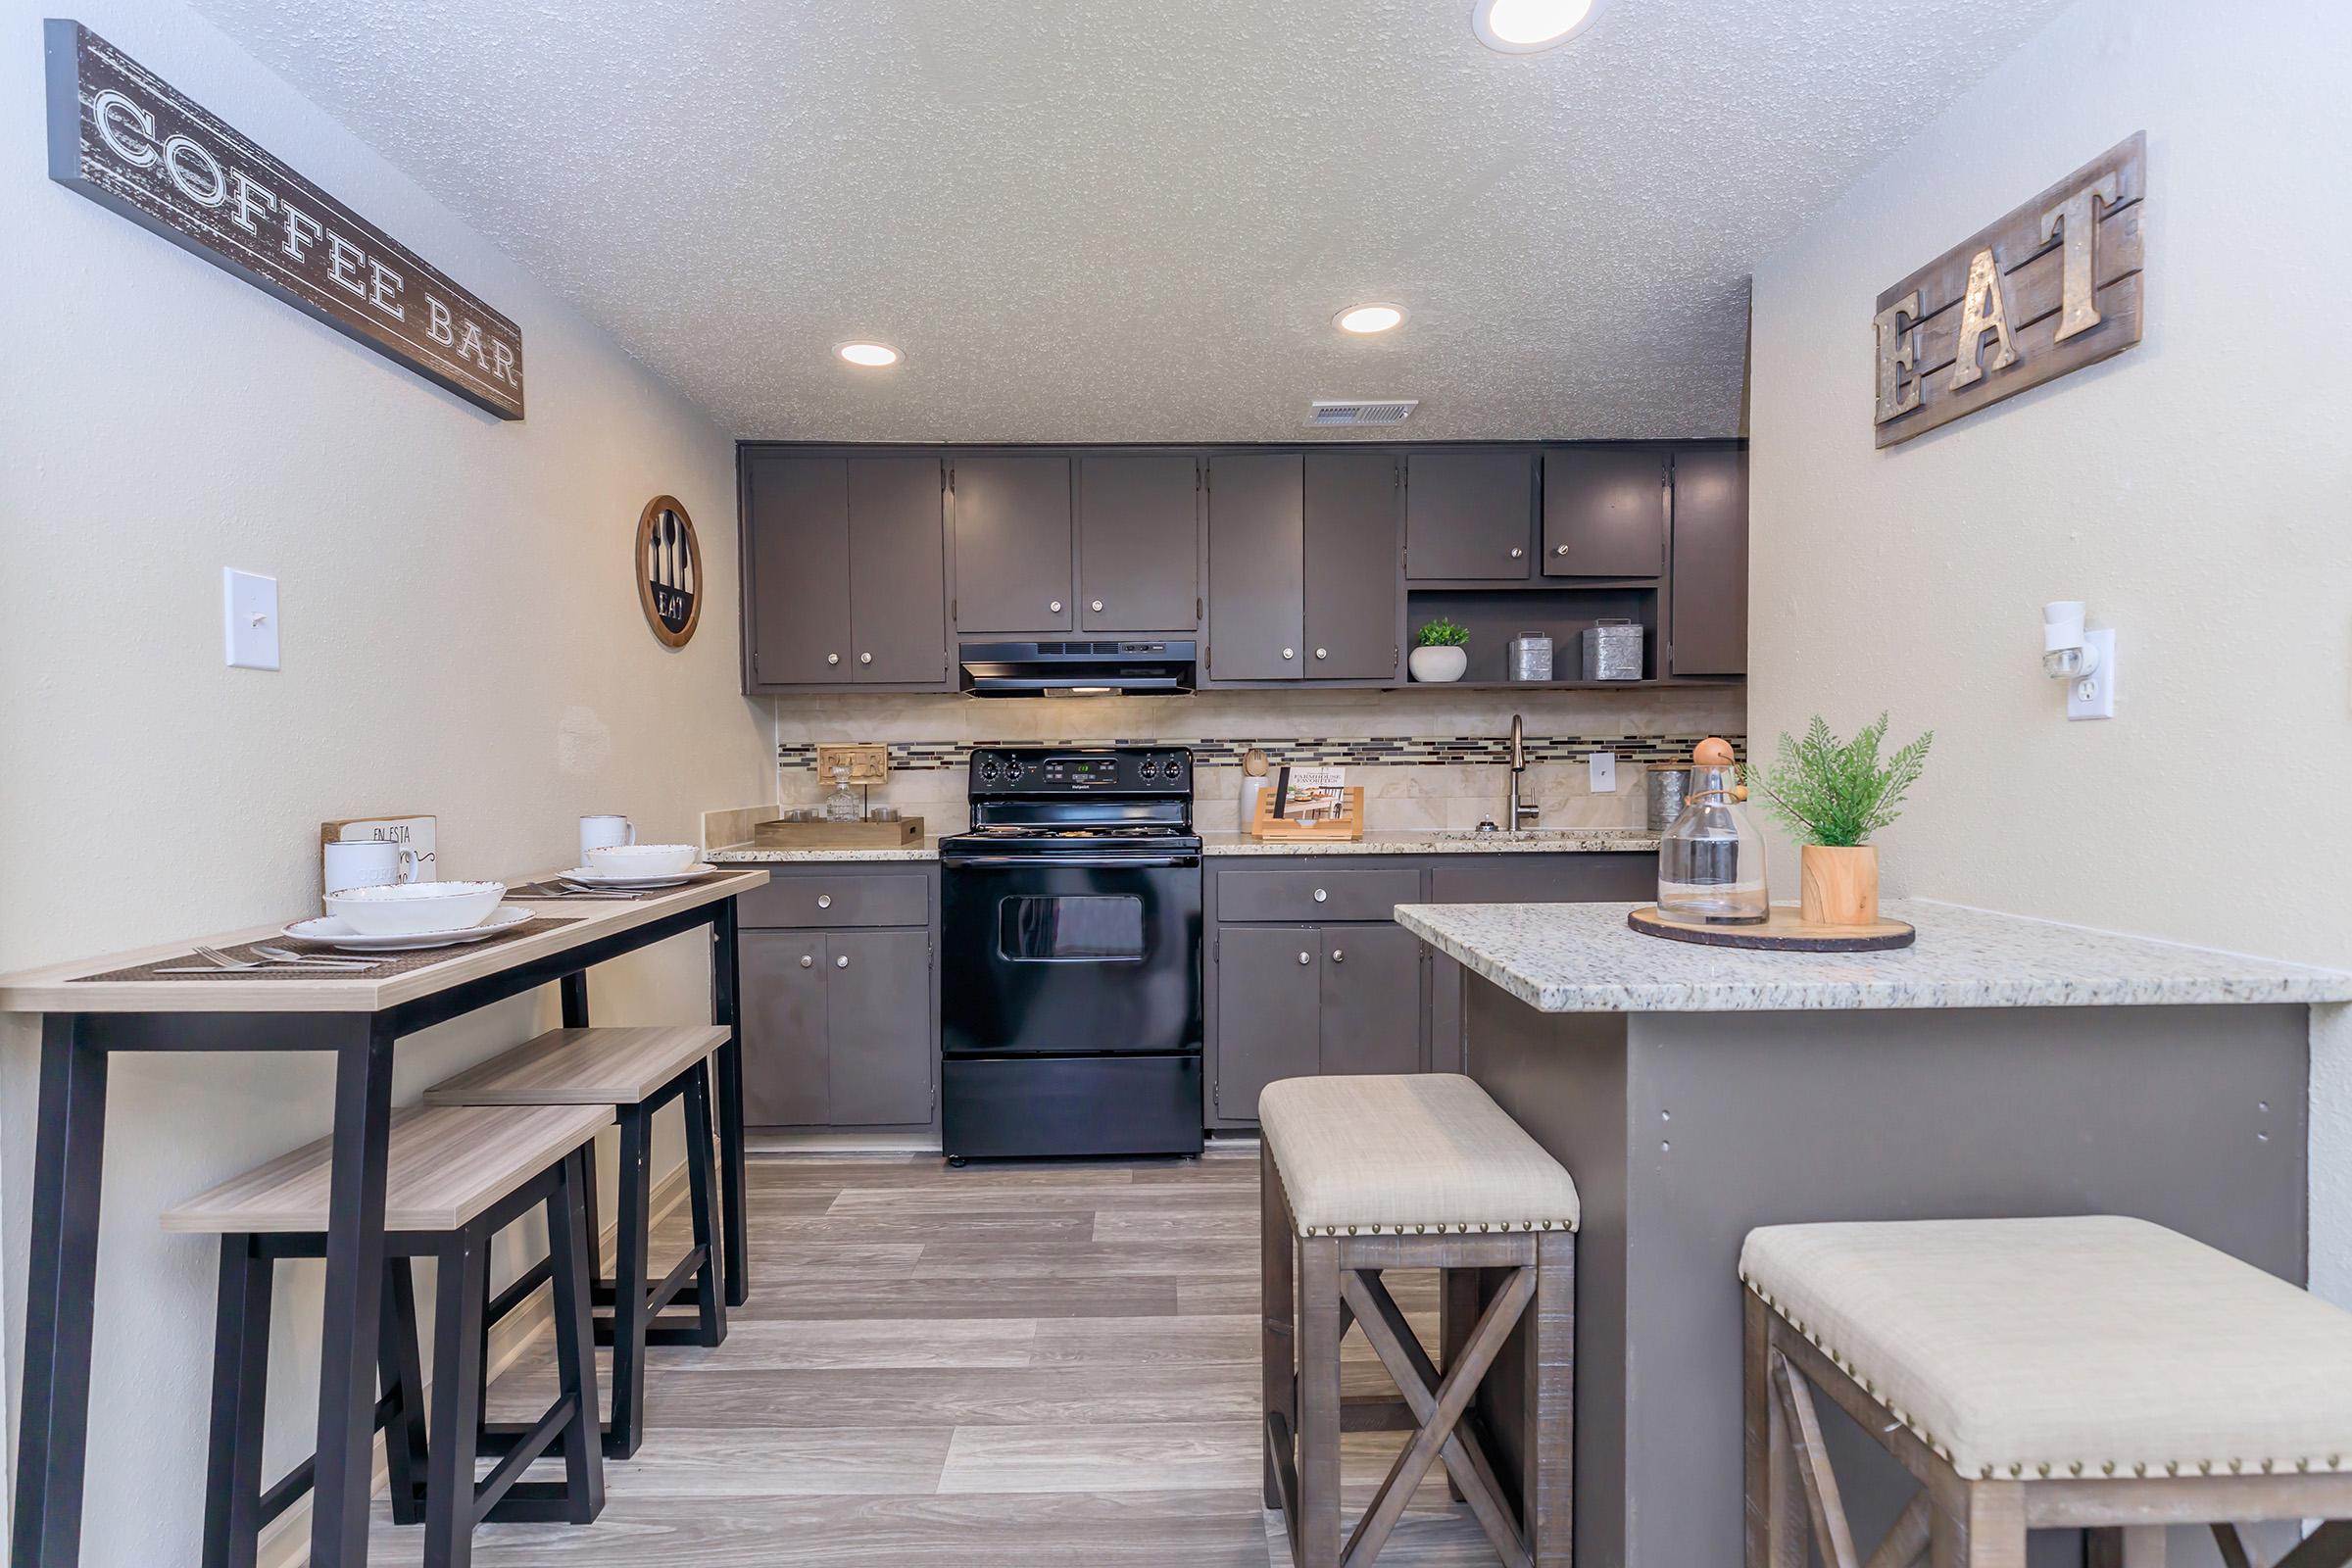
{"type": "Point", "coordinates": [1439, 651]}
{"type": "Point", "coordinates": [1833, 795]}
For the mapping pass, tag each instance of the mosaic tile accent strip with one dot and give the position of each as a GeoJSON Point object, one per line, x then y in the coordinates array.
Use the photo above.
{"type": "Point", "coordinates": [1397, 751]}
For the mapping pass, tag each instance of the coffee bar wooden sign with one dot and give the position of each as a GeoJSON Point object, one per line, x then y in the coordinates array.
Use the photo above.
{"type": "Point", "coordinates": [2050, 288]}
{"type": "Point", "coordinates": [123, 137]}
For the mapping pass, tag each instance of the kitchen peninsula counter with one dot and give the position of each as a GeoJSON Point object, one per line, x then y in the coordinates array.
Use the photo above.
{"type": "Point", "coordinates": [2000, 1066]}
{"type": "Point", "coordinates": [1377, 841]}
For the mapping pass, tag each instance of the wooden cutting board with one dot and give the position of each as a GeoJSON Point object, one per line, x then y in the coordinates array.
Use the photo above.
{"type": "Point", "coordinates": [1785, 931]}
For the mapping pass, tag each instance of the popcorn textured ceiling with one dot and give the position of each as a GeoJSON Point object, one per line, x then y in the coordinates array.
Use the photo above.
{"type": "Point", "coordinates": [1109, 220]}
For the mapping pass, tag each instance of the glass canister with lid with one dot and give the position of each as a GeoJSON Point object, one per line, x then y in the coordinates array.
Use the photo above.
{"type": "Point", "coordinates": [1711, 861]}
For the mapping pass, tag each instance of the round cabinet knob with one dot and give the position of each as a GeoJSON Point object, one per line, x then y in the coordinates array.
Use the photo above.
{"type": "Point", "coordinates": [824, 901]}
{"type": "Point", "coordinates": [1306, 958]}
{"type": "Point", "coordinates": [1339, 955]}
{"type": "Point", "coordinates": [1093, 603]}
{"type": "Point", "coordinates": [1321, 895]}
{"type": "Point", "coordinates": [865, 659]}
{"type": "Point", "coordinates": [1322, 653]}
{"type": "Point", "coordinates": [1559, 550]}
{"type": "Point", "coordinates": [1055, 606]}
{"type": "Point", "coordinates": [842, 962]}
{"type": "Point", "coordinates": [1516, 552]}
{"type": "Point", "coordinates": [808, 960]}
{"type": "Point", "coordinates": [832, 659]}
{"type": "Point", "coordinates": [1290, 652]}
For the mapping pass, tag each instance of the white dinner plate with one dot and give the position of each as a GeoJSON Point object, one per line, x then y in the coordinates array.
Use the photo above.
{"type": "Point", "coordinates": [335, 934]}
{"type": "Point", "coordinates": [588, 877]}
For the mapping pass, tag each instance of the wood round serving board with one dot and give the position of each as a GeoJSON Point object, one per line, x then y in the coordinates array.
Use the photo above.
{"type": "Point", "coordinates": [1786, 932]}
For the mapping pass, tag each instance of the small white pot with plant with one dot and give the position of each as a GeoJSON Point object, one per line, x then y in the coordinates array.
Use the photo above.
{"type": "Point", "coordinates": [1833, 795]}
{"type": "Point", "coordinates": [1439, 652]}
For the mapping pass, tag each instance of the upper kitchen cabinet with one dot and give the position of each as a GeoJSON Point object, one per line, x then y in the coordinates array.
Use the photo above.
{"type": "Point", "coordinates": [1139, 543]}
{"type": "Point", "coordinates": [1302, 553]}
{"type": "Point", "coordinates": [1604, 512]}
{"type": "Point", "coordinates": [1707, 609]}
{"type": "Point", "coordinates": [1013, 543]}
{"type": "Point", "coordinates": [843, 573]}
{"type": "Point", "coordinates": [1469, 517]}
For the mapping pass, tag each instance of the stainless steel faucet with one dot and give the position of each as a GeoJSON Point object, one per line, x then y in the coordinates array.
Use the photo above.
{"type": "Point", "coordinates": [1518, 814]}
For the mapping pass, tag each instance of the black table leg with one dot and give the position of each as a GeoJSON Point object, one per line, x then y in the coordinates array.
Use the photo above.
{"type": "Point", "coordinates": [53, 1431]}
{"type": "Point", "coordinates": [355, 1288]}
{"type": "Point", "coordinates": [724, 989]}
{"type": "Point", "coordinates": [573, 989]}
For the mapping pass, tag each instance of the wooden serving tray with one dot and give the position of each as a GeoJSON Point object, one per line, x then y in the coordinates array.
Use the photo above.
{"type": "Point", "coordinates": [1786, 932]}
{"type": "Point", "coordinates": [906, 833]}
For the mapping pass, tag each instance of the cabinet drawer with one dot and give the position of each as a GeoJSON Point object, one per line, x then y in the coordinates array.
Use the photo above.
{"type": "Point", "coordinates": [854, 897]}
{"type": "Point", "coordinates": [1311, 894]}
{"type": "Point", "coordinates": [1547, 879]}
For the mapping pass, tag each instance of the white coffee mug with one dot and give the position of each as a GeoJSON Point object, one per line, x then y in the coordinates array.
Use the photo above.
{"type": "Point", "coordinates": [365, 863]}
{"type": "Point", "coordinates": [605, 833]}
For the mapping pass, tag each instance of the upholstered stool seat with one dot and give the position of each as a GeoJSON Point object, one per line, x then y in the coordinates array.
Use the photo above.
{"type": "Point", "coordinates": [1395, 1154]}
{"type": "Point", "coordinates": [1364, 1174]}
{"type": "Point", "coordinates": [2075, 1371]}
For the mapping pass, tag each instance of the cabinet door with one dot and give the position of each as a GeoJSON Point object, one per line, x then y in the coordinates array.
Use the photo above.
{"type": "Point", "coordinates": [1255, 530]}
{"type": "Point", "coordinates": [1708, 609]}
{"type": "Point", "coordinates": [1371, 999]}
{"type": "Point", "coordinates": [878, 1021]}
{"type": "Point", "coordinates": [1469, 516]}
{"type": "Point", "coordinates": [1604, 512]}
{"type": "Point", "coordinates": [1270, 993]}
{"type": "Point", "coordinates": [1013, 543]}
{"type": "Point", "coordinates": [1353, 512]}
{"type": "Point", "coordinates": [1139, 543]}
{"type": "Point", "coordinates": [898, 571]}
{"type": "Point", "coordinates": [785, 1069]}
{"type": "Point", "coordinates": [797, 530]}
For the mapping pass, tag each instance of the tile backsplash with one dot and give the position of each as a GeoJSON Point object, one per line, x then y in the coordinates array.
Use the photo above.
{"type": "Point", "coordinates": [1425, 760]}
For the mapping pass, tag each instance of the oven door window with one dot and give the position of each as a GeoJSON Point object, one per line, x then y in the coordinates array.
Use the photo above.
{"type": "Point", "coordinates": [1089, 929]}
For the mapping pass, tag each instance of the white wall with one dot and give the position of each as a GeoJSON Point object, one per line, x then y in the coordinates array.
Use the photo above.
{"type": "Point", "coordinates": [461, 636]}
{"type": "Point", "coordinates": [2192, 490]}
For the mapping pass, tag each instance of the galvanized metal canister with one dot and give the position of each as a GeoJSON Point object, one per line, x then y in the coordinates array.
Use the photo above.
{"type": "Point", "coordinates": [1531, 656]}
{"type": "Point", "coordinates": [1669, 783]}
{"type": "Point", "coordinates": [1613, 651]}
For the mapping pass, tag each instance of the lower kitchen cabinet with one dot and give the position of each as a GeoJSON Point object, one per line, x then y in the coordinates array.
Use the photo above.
{"type": "Point", "coordinates": [1371, 999]}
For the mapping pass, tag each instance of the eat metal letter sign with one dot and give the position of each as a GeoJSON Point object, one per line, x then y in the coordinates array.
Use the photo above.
{"type": "Point", "coordinates": [2052, 287]}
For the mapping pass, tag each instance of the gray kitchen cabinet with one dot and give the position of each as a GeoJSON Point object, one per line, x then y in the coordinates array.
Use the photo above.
{"type": "Point", "coordinates": [1139, 543]}
{"type": "Point", "coordinates": [844, 571]}
{"type": "Point", "coordinates": [1707, 596]}
{"type": "Point", "coordinates": [1013, 543]}
{"type": "Point", "coordinates": [877, 1028]}
{"type": "Point", "coordinates": [1257, 568]}
{"type": "Point", "coordinates": [1354, 504]}
{"type": "Point", "coordinates": [1371, 1004]}
{"type": "Point", "coordinates": [1469, 517]}
{"type": "Point", "coordinates": [1269, 1012]}
{"type": "Point", "coordinates": [786, 1056]}
{"type": "Point", "coordinates": [1604, 512]}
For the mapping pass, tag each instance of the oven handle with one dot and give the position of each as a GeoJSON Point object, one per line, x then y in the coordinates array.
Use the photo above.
{"type": "Point", "coordinates": [1081, 862]}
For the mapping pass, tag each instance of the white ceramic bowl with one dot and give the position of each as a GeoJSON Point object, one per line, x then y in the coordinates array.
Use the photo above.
{"type": "Point", "coordinates": [414, 909]}
{"type": "Point", "coordinates": [643, 859]}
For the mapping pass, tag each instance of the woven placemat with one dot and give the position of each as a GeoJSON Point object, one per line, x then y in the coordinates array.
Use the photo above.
{"type": "Point", "coordinates": [523, 890]}
{"type": "Point", "coordinates": [382, 966]}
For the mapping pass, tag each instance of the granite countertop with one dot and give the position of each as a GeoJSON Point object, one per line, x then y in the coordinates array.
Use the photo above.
{"type": "Point", "coordinates": [1582, 957]}
{"type": "Point", "coordinates": [1570, 840]}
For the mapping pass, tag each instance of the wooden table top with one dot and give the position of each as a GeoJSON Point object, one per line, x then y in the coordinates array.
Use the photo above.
{"type": "Point", "coordinates": [58, 987]}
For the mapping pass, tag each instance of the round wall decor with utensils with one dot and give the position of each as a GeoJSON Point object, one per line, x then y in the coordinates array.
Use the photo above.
{"type": "Point", "coordinates": [669, 570]}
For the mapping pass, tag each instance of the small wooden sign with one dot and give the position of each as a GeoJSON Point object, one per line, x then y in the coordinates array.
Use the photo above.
{"type": "Point", "coordinates": [669, 570]}
{"type": "Point", "coordinates": [125, 138]}
{"type": "Point", "coordinates": [2053, 286]}
{"type": "Point", "coordinates": [867, 765]}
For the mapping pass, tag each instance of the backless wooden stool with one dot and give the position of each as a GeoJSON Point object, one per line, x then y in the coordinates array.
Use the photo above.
{"type": "Point", "coordinates": [633, 1072]}
{"type": "Point", "coordinates": [456, 1179]}
{"type": "Point", "coordinates": [2098, 1373]}
{"type": "Point", "coordinates": [1361, 1174]}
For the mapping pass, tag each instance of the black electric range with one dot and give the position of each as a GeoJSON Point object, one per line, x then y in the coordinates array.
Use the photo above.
{"type": "Point", "coordinates": [1070, 994]}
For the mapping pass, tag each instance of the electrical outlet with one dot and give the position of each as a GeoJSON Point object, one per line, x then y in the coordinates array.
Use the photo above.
{"type": "Point", "coordinates": [2093, 696]}
{"type": "Point", "coordinates": [249, 619]}
{"type": "Point", "coordinates": [1604, 777]}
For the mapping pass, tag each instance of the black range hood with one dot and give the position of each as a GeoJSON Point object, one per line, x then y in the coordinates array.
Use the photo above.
{"type": "Point", "coordinates": [1080, 667]}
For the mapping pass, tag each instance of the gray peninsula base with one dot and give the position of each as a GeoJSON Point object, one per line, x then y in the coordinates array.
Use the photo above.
{"type": "Point", "coordinates": [1685, 1130]}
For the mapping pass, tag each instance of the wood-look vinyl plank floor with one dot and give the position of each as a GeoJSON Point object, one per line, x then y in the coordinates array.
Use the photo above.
{"type": "Point", "coordinates": [1007, 1366]}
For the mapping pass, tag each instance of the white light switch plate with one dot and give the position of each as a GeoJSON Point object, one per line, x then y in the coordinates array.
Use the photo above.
{"type": "Point", "coordinates": [249, 619]}
{"type": "Point", "coordinates": [1604, 772]}
{"type": "Point", "coordinates": [2100, 703]}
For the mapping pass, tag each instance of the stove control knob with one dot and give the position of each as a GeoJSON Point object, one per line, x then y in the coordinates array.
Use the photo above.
{"type": "Point", "coordinates": [1149, 770]}
{"type": "Point", "coordinates": [1173, 768]}
{"type": "Point", "coordinates": [988, 772]}
{"type": "Point", "coordinates": [1013, 772]}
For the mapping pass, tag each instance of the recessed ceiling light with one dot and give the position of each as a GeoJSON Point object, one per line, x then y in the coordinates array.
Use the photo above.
{"type": "Point", "coordinates": [872, 356]}
{"type": "Point", "coordinates": [1366, 319]}
{"type": "Point", "coordinates": [1523, 26]}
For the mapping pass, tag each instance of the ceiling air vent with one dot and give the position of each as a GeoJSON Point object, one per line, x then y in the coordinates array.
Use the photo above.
{"type": "Point", "coordinates": [1387, 410]}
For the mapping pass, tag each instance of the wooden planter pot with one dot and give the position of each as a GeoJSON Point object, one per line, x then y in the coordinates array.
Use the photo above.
{"type": "Point", "coordinates": [1840, 886]}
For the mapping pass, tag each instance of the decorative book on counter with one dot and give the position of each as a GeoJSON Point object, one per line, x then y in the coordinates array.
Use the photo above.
{"type": "Point", "coordinates": [1310, 803]}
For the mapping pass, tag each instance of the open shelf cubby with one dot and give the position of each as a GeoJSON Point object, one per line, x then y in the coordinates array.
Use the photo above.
{"type": "Point", "coordinates": [1494, 619]}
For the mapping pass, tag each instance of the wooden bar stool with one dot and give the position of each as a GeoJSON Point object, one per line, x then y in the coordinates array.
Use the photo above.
{"type": "Point", "coordinates": [1361, 1174]}
{"type": "Point", "coordinates": [633, 1072]}
{"type": "Point", "coordinates": [457, 1178]}
{"type": "Point", "coordinates": [2097, 1373]}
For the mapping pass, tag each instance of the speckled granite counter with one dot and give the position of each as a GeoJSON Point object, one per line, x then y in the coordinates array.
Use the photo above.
{"type": "Point", "coordinates": [1572, 841]}
{"type": "Point", "coordinates": [1582, 957]}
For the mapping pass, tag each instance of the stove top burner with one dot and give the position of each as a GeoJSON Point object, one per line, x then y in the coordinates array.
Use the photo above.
{"type": "Point", "coordinates": [1106, 830]}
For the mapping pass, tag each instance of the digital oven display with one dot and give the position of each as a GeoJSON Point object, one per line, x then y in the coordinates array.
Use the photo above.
{"type": "Point", "coordinates": [1083, 772]}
